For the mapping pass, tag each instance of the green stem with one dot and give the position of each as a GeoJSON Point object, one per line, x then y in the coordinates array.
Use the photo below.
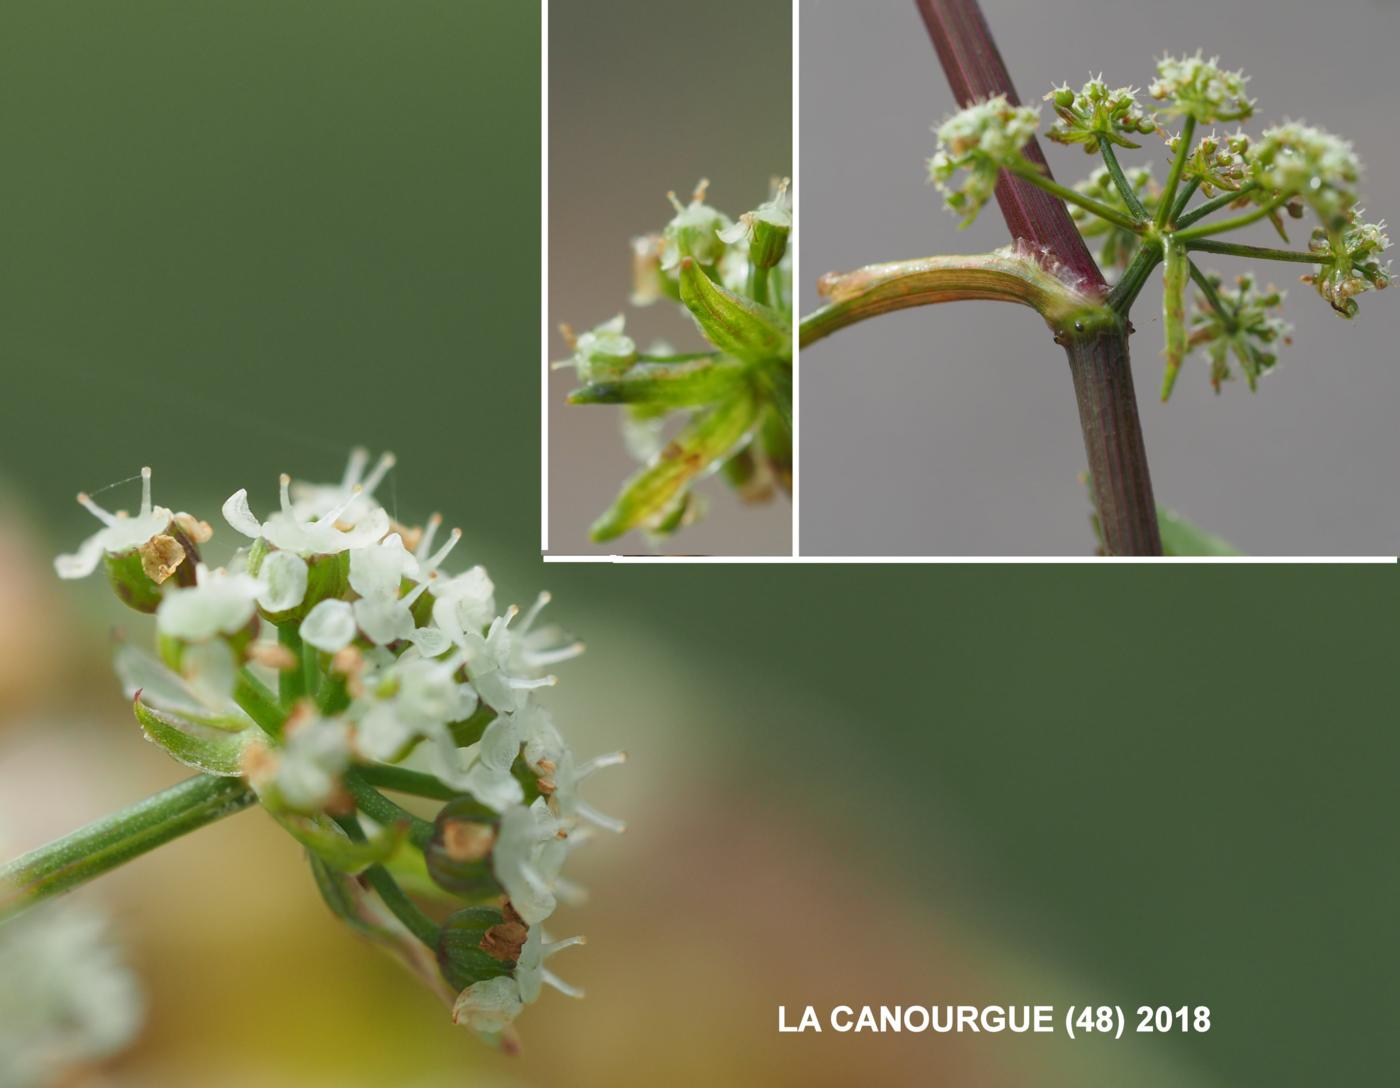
{"type": "Point", "coordinates": [1187, 192]}
{"type": "Point", "coordinates": [1130, 198]}
{"type": "Point", "coordinates": [258, 703]}
{"type": "Point", "coordinates": [404, 909]}
{"type": "Point", "coordinates": [101, 846]}
{"type": "Point", "coordinates": [402, 780]}
{"type": "Point", "coordinates": [1238, 222]}
{"type": "Point", "coordinates": [1212, 296]}
{"type": "Point", "coordinates": [1135, 276]}
{"type": "Point", "coordinates": [758, 284]}
{"type": "Point", "coordinates": [1207, 245]}
{"type": "Point", "coordinates": [1183, 149]}
{"type": "Point", "coordinates": [383, 811]}
{"type": "Point", "coordinates": [1054, 188]}
{"type": "Point", "coordinates": [291, 683]}
{"type": "Point", "coordinates": [1224, 200]}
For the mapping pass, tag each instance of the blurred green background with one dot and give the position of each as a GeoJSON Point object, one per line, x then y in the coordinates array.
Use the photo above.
{"type": "Point", "coordinates": [240, 238]}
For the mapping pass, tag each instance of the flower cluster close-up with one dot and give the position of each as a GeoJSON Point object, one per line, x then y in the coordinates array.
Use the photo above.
{"type": "Point", "coordinates": [687, 415]}
{"type": "Point", "coordinates": [1288, 171]}
{"type": "Point", "coordinates": [331, 661]}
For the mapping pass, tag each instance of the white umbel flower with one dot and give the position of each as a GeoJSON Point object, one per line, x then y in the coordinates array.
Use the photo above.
{"type": "Point", "coordinates": [286, 575]}
{"type": "Point", "coordinates": [330, 626]}
{"type": "Point", "coordinates": [529, 853]}
{"type": "Point", "coordinates": [308, 530]}
{"type": "Point", "coordinates": [120, 533]}
{"type": "Point", "coordinates": [311, 765]}
{"type": "Point", "coordinates": [317, 500]}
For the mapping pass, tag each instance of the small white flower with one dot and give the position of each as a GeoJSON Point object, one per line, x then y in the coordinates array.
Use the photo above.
{"type": "Point", "coordinates": [220, 603]}
{"type": "Point", "coordinates": [466, 602]}
{"type": "Point", "coordinates": [528, 854]}
{"type": "Point", "coordinates": [330, 626]}
{"type": "Point", "coordinates": [381, 568]}
{"type": "Point", "coordinates": [316, 755]}
{"type": "Point", "coordinates": [308, 530]}
{"type": "Point", "coordinates": [286, 576]}
{"type": "Point", "coordinates": [317, 500]}
{"type": "Point", "coordinates": [530, 971]}
{"type": "Point", "coordinates": [488, 1007]}
{"type": "Point", "coordinates": [426, 698]}
{"type": "Point", "coordinates": [119, 534]}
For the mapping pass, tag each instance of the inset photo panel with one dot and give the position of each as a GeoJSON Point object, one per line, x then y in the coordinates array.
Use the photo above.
{"type": "Point", "coordinates": [668, 341]}
{"type": "Point", "coordinates": [1079, 280]}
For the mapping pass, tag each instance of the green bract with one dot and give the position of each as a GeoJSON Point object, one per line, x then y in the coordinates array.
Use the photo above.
{"type": "Point", "coordinates": [980, 140]}
{"type": "Point", "coordinates": [1201, 90]}
{"type": "Point", "coordinates": [689, 415]}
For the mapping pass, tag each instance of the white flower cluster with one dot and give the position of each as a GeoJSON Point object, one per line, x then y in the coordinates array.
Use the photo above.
{"type": "Point", "coordinates": [416, 655]}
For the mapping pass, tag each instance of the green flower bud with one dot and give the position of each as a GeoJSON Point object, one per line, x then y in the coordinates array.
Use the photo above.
{"type": "Point", "coordinates": [766, 228]}
{"type": "Point", "coordinates": [459, 853]}
{"type": "Point", "coordinates": [1097, 114]}
{"type": "Point", "coordinates": [980, 140]}
{"type": "Point", "coordinates": [1216, 162]}
{"type": "Point", "coordinates": [1354, 266]}
{"type": "Point", "coordinates": [693, 231]}
{"type": "Point", "coordinates": [479, 943]}
{"type": "Point", "coordinates": [602, 353]}
{"type": "Point", "coordinates": [1198, 88]}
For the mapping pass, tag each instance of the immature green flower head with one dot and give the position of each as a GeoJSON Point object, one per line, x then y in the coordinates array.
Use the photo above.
{"type": "Point", "coordinates": [693, 231]}
{"type": "Point", "coordinates": [1118, 242]}
{"type": "Point", "coordinates": [1298, 160]}
{"type": "Point", "coordinates": [1097, 114]}
{"type": "Point", "coordinates": [1219, 163]}
{"type": "Point", "coordinates": [980, 139]}
{"type": "Point", "coordinates": [603, 352]}
{"type": "Point", "coordinates": [764, 231]}
{"type": "Point", "coordinates": [1250, 333]}
{"type": "Point", "coordinates": [1355, 266]}
{"type": "Point", "coordinates": [1199, 88]}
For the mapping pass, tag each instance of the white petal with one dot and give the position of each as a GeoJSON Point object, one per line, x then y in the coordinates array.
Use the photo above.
{"type": "Point", "coordinates": [330, 626]}
{"type": "Point", "coordinates": [240, 516]}
{"type": "Point", "coordinates": [285, 575]}
{"type": "Point", "coordinates": [488, 1007]}
{"type": "Point", "coordinates": [82, 562]}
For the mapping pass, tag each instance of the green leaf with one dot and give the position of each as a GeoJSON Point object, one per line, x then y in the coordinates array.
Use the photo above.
{"type": "Point", "coordinates": [706, 441]}
{"type": "Point", "coordinates": [670, 385]}
{"type": "Point", "coordinates": [1180, 537]}
{"type": "Point", "coordinates": [213, 751]}
{"type": "Point", "coordinates": [734, 324]}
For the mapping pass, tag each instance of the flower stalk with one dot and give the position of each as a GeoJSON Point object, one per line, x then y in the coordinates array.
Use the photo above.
{"type": "Point", "coordinates": [105, 844]}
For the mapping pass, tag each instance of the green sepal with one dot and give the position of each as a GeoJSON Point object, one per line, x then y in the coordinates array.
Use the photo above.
{"type": "Point", "coordinates": [470, 879]}
{"type": "Point", "coordinates": [733, 323]}
{"type": "Point", "coordinates": [216, 750]}
{"type": "Point", "coordinates": [334, 848]}
{"type": "Point", "coordinates": [678, 385]}
{"type": "Point", "coordinates": [130, 582]}
{"type": "Point", "coordinates": [460, 956]}
{"type": "Point", "coordinates": [768, 243]}
{"type": "Point", "coordinates": [704, 443]}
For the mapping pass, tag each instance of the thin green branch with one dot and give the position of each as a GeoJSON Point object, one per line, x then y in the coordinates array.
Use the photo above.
{"type": "Point", "coordinates": [1238, 222]}
{"type": "Point", "coordinates": [1125, 190]}
{"type": "Point", "coordinates": [291, 683]}
{"type": "Point", "coordinates": [1028, 171]}
{"type": "Point", "coordinates": [1135, 277]}
{"type": "Point", "coordinates": [102, 846]}
{"type": "Point", "coordinates": [1264, 253]}
{"type": "Point", "coordinates": [1183, 150]}
{"type": "Point", "coordinates": [1183, 198]}
{"type": "Point", "coordinates": [1212, 296]}
{"type": "Point", "coordinates": [383, 811]}
{"type": "Point", "coordinates": [1224, 200]}
{"type": "Point", "coordinates": [402, 780]}
{"type": "Point", "coordinates": [379, 878]}
{"type": "Point", "coordinates": [258, 702]}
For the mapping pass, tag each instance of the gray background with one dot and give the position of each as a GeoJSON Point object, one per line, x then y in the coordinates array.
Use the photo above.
{"type": "Point", "coordinates": [952, 430]}
{"type": "Point", "coordinates": [646, 97]}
